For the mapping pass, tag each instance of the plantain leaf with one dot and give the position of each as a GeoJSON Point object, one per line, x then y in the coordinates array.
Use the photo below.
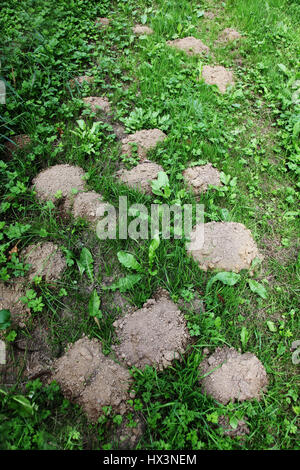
{"type": "Point", "coordinates": [85, 264]}
{"type": "Point", "coordinates": [227, 278]}
{"type": "Point", "coordinates": [94, 305]}
{"type": "Point", "coordinates": [128, 260]}
{"type": "Point", "coordinates": [257, 288]}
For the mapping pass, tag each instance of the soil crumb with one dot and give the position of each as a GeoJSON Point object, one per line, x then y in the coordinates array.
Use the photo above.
{"type": "Point", "coordinates": [190, 45]}
{"type": "Point", "coordinates": [217, 75]}
{"type": "Point", "coordinates": [10, 300]}
{"type": "Point", "coordinates": [144, 140]}
{"type": "Point", "coordinates": [226, 246]}
{"type": "Point", "coordinates": [141, 176]}
{"type": "Point", "coordinates": [46, 261]}
{"type": "Point", "coordinates": [234, 376]}
{"type": "Point", "coordinates": [142, 29]}
{"type": "Point", "coordinates": [153, 335]}
{"type": "Point", "coordinates": [57, 182]}
{"type": "Point", "coordinates": [92, 380]}
{"type": "Point", "coordinates": [199, 178]}
{"type": "Point", "coordinates": [97, 103]}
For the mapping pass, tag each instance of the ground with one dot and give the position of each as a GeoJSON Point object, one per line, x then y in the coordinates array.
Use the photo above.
{"type": "Point", "coordinates": [228, 100]}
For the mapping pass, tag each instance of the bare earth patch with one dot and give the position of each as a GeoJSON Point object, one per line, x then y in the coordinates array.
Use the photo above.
{"type": "Point", "coordinates": [141, 176]}
{"type": "Point", "coordinates": [80, 80]}
{"type": "Point", "coordinates": [155, 335]}
{"type": "Point", "coordinates": [9, 300]}
{"type": "Point", "coordinates": [199, 178]}
{"type": "Point", "coordinates": [19, 142]}
{"type": "Point", "coordinates": [126, 436]}
{"type": "Point", "coordinates": [233, 376]}
{"type": "Point", "coordinates": [241, 430]}
{"type": "Point", "coordinates": [56, 183]}
{"type": "Point", "coordinates": [228, 246]}
{"type": "Point", "coordinates": [97, 103]}
{"type": "Point", "coordinates": [87, 204]}
{"type": "Point", "coordinates": [91, 379]}
{"type": "Point", "coordinates": [46, 260]}
{"type": "Point", "coordinates": [217, 75]}
{"type": "Point", "coordinates": [229, 35]}
{"type": "Point", "coordinates": [141, 29]}
{"type": "Point", "coordinates": [209, 15]}
{"type": "Point", "coordinates": [190, 45]}
{"type": "Point", "coordinates": [145, 140]}
{"type": "Point", "coordinates": [102, 22]}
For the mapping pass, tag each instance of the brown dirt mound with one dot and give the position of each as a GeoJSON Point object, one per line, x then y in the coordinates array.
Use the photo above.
{"type": "Point", "coordinates": [9, 300]}
{"type": "Point", "coordinates": [145, 140]}
{"type": "Point", "coordinates": [141, 176]}
{"type": "Point", "coordinates": [102, 22]}
{"type": "Point", "coordinates": [142, 29]}
{"type": "Point", "coordinates": [86, 205]}
{"type": "Point", "coordinates": [217, 75]}
{"type": "Point", "coordinates": [228, 246]}
{"type": "Point", "coordinates": [126, 436]}
{"type": "Point", "coordinates": [199, 177]}
{"type": "Point", "coordinates": [241, 430]}
{"type": "Point", "coordinates": [46, 261]}
{"type": "Point", "coordinates": [97, 103]}
{"type": "Point", "coordinates": [237, 376]}
{"type": "Point", "coordinates": [229, 35]}
{"type": "Point", "coordinates": [91, 379]}
{"type": "Point", "coordinates": [59, 178]}
{"type": "Point", "coordinates": [19, 142]}
{"type": "Point", "coordinates": [80, 80]}
{"type": "Point", "coordinates": [190, 45]}
{"type": "Point", "coordinates": [155, 334]}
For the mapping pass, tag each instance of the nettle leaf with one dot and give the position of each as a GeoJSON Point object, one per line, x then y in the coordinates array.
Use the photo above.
{"type": "Point", "coordinates": [128, 260]}
{"type": "Point", "coordinates": [94, 305]}
{"type": "Point", "coordinates": [85, 264]}
{"type": "Point", "coordinates": [257, 288]}
{"type": "Point", "coordinates": [227, 278]}
{"type": "Point", "coordinates": [5, 317]}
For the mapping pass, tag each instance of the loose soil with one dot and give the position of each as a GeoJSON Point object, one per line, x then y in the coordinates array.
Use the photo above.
{"type": "Point", "coordinates": [141, 176]}
{"type": "Point", "coordinates": [46, 261]}
{"type": "Point", "coordinates": [145, 140]}
{"type": "Point", "coordinates": [190, 45]}
{"type": "Point", "coordinates": [217, 75]}
{"type": "Point", "coordinates": [199, 178]}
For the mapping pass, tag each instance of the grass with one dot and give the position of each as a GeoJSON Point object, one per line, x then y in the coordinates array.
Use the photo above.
{"type": "Point", "coordinates": [251, 134]}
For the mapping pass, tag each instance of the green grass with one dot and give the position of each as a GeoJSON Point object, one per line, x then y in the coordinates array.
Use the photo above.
{"type": "Point", "coordinates": [251, 133]}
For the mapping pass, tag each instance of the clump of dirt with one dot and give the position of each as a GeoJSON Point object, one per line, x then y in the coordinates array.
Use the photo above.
{"type": "Point", "coordinates": [145, 140]}
{"type": "Point", "coordinates": [155, 335]}
{"type": "Point", "coordinates": [241, 430]}
{"type": "Point", "coordinates": [57, 182]}
{"type": "Point", "coordinates": [217, 75]}
{"type": "Point", "coordinates": [102, 22]}
{"type": "Point", "coordinates": [142, 29]}
{"type": "Point", "coordinates": [46, 260]}
{"type": "Point", "coordinates": [91, 379]}
{"type": "Point", "coordinates": [9, 300]}
{"type": "Point", "coordinates": [199, 178]}
{"type": "Point", "coordinates": [86, 205]}
{"type": "Point", "coordinates": [80, 80]}
{"type": "Point", "coordinates": [230, 375]}
{"type": "Point", "coordinates": [190, 45]}
{"type": "Point", "coordinates": [119, 130]}
{"type": "Point", "coordinates": [141, 176]}
{"type": "Point", "coordinates": [97, 103]}
{"type": "Point", "coordinates": [229, 35]}
{"type": "Point", "coordinates": [227, 246]}
{"type": "Point", "coordinates": [18, 142]}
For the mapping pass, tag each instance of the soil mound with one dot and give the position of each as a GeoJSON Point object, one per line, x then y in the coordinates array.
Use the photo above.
{"type": "Point", "coordinates": [97, 103]}
{"type": "Point", "coordinates": [9, 300]}
{"type": "Point", "coordinates": [190, 45]}
{"type": "Point", "coordinates": [141, 176]}
{"type": "Point", "coordinates": [80, 80]}
{"type": "Point", "coordinates": [219, 76]}
{"type": "Point", "coordinates": [91, 379]}
{"type": "Point", "coordinates": [145, 140]}
{"type": "Point", "coordinates": [18, 142]}
{"type": "Point", "coordinates": [233, 376]}
{"type": "Point", "coordinates": [86, 205]}
{"type": "Point", "coordinates": [155, 335]}
{"type": "Point", "coordinates": [142, 29]}
{"type": "Point", "coordinates": [199, 178]}
{"type": "Point", "coordinates": [228, 246]}
{"type": "Point", "coordinates": [229, 35]}
{"type": "Point", "coordinates": [46, 260]}
{"type": "Point", "coordinates": [57, 182]}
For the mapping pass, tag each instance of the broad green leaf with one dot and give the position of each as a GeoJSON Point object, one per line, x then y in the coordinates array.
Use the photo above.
{"type": "Point", "coordinates": [4, 319]}
{"type": "Point", "coordinates": [22, 404]}
{"type": "Point", "coordinates": [283, 69]}
{"type": "Point", "coordinates": [152, 248]}
{"type": "Point", "coordinates": [144, 19]}
{"type": "Point", "coordinates": [233, 422]}
{"type": "Point", "coordinates": [272, 327]}
{"type": "Point", "coordinates": [94, 305]}
{"type": "Point", "coordinates": [244, 336]}
{"type": "Point", "coordinates": [227, 278]}
{"type": "Point", "coordinates": [128, 260]}
{"type": "Point", "coordinates": [125, 283]}
{"type": "Point", "coordinates": [86, 261]}
{"type": "Point", "coordinates": [257, 288]}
